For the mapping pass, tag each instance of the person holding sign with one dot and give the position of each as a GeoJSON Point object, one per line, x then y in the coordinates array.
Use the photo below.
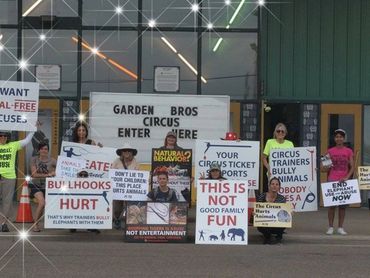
{"type": "Point", "coordinates": [80, 135]}
{"type": "Point", "coordinates": [272, 196]}
{"type": "Point", "coordinates": [126, 160]}
{"type": "Point", "coordinates": [170, 142]}
{"type": "Point", "coordinates": [8, 153]}
{"type": "Point", "coordinates": [278, 142]}
{"type": "Point", "coordinates": [42, 167]}
{"type": "Point", "coordinates": [214, 172]}
{"type": "Point", "coordinates": [341, 170]}
{"type": "Point", "coordinates": [162, 193]}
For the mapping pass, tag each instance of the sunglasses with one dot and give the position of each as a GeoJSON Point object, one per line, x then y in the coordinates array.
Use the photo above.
{"type": "Point", "coordinates": [280, 131]}
{"type": "Point", "coordinates": [3, 135]}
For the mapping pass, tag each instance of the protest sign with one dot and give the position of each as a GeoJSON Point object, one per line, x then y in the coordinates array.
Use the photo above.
{"type": "Point", "coordinates": [156, 222]}
{"type": "Point", "coordinates": [98, 160]}
{"type": "Point", "coordinates": [78, 203]}
{"type": "Point", "coordinates": [296, 169]}
{"type": "Point", "coordinates": [19, 105]}
{"type": "Point", "coordinates": [143, 120]}
{"type": "Point", "coordinates": [129, 185]}
{"type": "Point", "coordinates": [340, 193]}
{"type": "Point", "coordinates": [178, 164]}
{"type": "Point", "coordinates": [238, 160]}
{"type": "Point", "coordinates": [69, 167]}
{"type": "Point", "coordinates": [364, 177]}
{"type": "Point", "coordinates": [278, 215]}
{"type": "Point", "coordinates": [222, 212]}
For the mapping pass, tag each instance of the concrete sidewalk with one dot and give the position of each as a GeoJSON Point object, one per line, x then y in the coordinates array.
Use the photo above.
{"type": "Point", "coordinates": [308, 227]}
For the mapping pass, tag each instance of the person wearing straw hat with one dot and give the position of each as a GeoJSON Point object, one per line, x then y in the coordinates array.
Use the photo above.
{"type": "Point", "coordinates": [126, 160]}
{"type": "Point", "coordinates": [8, 153]}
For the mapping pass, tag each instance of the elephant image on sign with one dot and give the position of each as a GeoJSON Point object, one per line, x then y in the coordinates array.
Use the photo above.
{"type": "Point", "coordinates": [236, 232]}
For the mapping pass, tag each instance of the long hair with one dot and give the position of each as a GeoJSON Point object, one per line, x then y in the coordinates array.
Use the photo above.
{"type": "Point", "coordinates": [280, 126]}
{"type": "Point", "coordinates": [74, 132]}
{"type": "Point", "coordinates": [165, 142]}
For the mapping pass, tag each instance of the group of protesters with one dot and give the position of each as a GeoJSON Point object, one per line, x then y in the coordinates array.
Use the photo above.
{"type": "Point", "coordinates": [43, 166]}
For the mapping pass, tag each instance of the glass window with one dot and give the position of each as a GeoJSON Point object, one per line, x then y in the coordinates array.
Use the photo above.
{"type": "Point", "coordinates": [159, 50]}
{"type": "Point", "coordinates": [57, 8]}
{"type": "Point", "coordinates": [232, 68]}
{"type": "Point", "coordinates": [170, 13]}
{"type": "Point", "coordinates": [8, 54]}
{"type": "Point", "coordinates": [8, 12]}
{"type": "Point", "coordinates": [113, 66]}
{"type": "Point", "coordinates": [232, 13]}
{"type": "Point", "coordinates": [110, 13]}
{"type": "Point", "coordinates": [52, 47]}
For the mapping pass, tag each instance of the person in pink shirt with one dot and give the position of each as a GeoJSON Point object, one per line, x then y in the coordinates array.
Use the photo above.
{"type": "Point", "coordinates": [341, 169]}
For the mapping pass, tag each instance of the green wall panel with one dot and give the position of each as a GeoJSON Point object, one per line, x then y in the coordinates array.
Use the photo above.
{"type": "Point", "coordinates": [318, 50]}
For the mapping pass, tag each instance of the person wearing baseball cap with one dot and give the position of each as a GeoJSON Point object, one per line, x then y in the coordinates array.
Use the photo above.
{"type": "Point", "coordinates": [170, 142]}
{"type": "Point", "coordinates": [8, 154]}
{"type": "Point", "coordinates": [342, 169]}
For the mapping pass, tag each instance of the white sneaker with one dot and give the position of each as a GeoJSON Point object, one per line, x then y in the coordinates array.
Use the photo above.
{"type": "Point", "coordinates": [341, 231]}
{"type": "Point", "coordinates": [330, 231]}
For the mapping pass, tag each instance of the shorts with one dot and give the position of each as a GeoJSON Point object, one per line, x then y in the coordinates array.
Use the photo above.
{"type": "Point", "coordinates": [35, 189]}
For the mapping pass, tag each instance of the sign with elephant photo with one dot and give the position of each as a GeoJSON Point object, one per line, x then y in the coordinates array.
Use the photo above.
{"type": "Point", "coordinates": [222, 212]}
{"type": "Point", "coordinates": [364, 177]}
{"type": "Point", "coordinates": [277, 215]}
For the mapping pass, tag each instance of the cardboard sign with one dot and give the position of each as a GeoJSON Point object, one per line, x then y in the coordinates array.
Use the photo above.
{"type": "Point", "coordinates": [143, 120]}
{"type": "Point", "coordinates": [129, 185]}
{"type": "Point", "coordinates": [296, 169]}
{"type": "Point", "coordinates": [19, 105]}
{"type": "Point", "coordinates": [364, 177]}
{"type": "Point", "coordinates": [238, 160]}
{"type": "Point", "coordinates": [98, 160]}
{"type": "Point", "coordinates": [344, 193]}
{"type": "Point", "coordinates": [277, 215]}
{"type": "Point", "coordinates": [68, 167]}
{"type": "Point", "coordinates": [178, 165]}
{"type": "Point", "coordinates": [222, 212]}
{"type": "Point", "coordinates": [78, 203]}
{"type": "Point", "coordinates": [156, 222]}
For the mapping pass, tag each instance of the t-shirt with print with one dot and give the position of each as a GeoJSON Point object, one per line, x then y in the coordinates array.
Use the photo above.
{"type": "Point", "coordinates": [8, 154]}
{"type": "Point", "coordinates": [274, 144]}
{"type": "Point", "coordinates": [42, 167]}
{"type": "Point", "coordinates": [157, 195]}
{"type": "Point", "coordinates": [340, 158]}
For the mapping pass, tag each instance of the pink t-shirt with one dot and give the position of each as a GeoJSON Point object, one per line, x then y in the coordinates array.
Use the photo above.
{"type": "Point", "coordinates": [340, 158]}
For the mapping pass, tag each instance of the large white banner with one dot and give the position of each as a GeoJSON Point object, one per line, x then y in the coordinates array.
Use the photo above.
{"type": "Point", "coordinates": [296, 169]}
{"type": "Point", "coordinates": [78, 204]}
{"type": "Point", "coordinates": [19, 105]}
{"type": "Point", "coordinates": [98, 160]}
{"type": "Point", "coordinates": [222, 212]}
{"type": "Point", "coordinates": [340, 193]}
{"type": "Point", "coordinates": [143, 120]}
{"type": "Point", "coordinates": [129, 185]}
{"type": "Point", "coordinates": [238, 160]}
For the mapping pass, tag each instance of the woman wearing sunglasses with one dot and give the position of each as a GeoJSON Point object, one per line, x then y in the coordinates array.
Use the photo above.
{"type": "Point", "coordinates": [278, 142]}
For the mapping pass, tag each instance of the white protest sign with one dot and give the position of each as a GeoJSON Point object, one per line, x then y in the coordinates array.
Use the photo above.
{"type": "Point", "coordinates": [78, 203]}
{"type": "Point", "coordinates": [340, 193]}
{"type": "Point", "coordinates": [98, 160]}
{"type": "Point", "coordinates": [69, 167]}
{"type": "Point", "coordinates": [238, 160]}
{"type": "Point", "coordinates": [143, 120]}
{"type": "Point", "coordinates": [277, 215]}
{"type": "Point", "coordinates": [129, 185]}
{"type": "Point", "coordinates": [222, 212]}
{"type": "Point", "coordinates": [296, 169]}
{"type": "Point", "coordinates": [364, 177]}
{"type": "Point", "coordinates": [19, 105]}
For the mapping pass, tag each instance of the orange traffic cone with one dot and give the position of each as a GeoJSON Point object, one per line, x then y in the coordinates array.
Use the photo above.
{"type": "Point", "coordinates": [24, 214]}
{"type": "Point", "coordinates": [251, 201]}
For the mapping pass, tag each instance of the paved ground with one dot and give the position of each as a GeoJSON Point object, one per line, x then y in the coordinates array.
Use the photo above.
{"type": "Point", "coordinates": [306, 252]}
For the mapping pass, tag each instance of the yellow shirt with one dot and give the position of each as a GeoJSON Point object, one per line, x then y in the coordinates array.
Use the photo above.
{"type": "Point", "coordinates": [274, 144]}
{"type": "Point", "coordinates": [8, 154]}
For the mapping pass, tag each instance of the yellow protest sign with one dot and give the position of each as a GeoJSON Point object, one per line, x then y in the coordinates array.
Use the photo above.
{"type": "Point", "coordinates": [363, 177]}
{"type": "Point", "coordinates": [277, 215]}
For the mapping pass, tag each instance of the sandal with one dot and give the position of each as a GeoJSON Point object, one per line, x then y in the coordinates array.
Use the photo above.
{"type": "Point", "coordinates": [36, 229]}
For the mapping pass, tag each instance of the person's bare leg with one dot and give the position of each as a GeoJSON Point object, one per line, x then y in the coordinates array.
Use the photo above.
{"type": "Point", "coordinates": [341, 214]}
{"type": "Point", "coordinates": [331, 215]}
{"type": "Point", "coordinates": [40, 208]}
